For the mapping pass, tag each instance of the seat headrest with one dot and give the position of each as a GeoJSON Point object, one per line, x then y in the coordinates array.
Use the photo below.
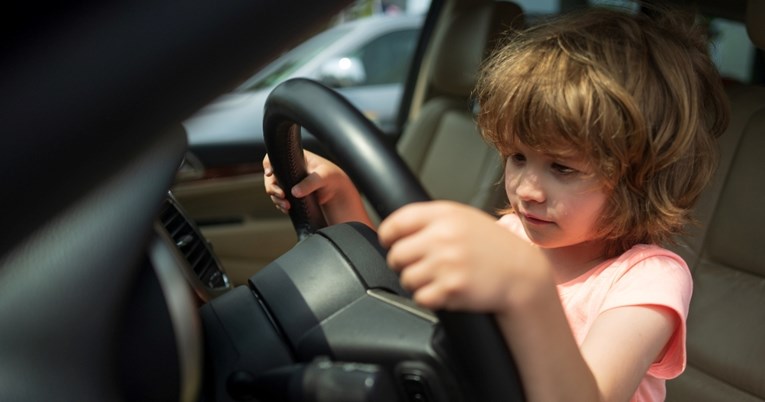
{"type": "Point", "coordinates": [735, 233]}
{"type": "Point", "coordinates": [469, 38]}
{"type": "Point", "coordinates": [755, 22]}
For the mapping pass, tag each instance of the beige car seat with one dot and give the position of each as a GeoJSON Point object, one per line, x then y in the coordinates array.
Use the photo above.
{"type": "Point", "coordinates": [726, 326]}
{"type": "Point", "coordinates": [442, 145]}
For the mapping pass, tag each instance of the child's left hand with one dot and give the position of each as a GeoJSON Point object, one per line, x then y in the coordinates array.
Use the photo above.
{"type": "Point", "coordinates": [454, 257]}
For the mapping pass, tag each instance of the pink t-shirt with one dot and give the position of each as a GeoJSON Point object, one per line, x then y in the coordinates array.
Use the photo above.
{"type": "Point", "coordinates": [644, 275]}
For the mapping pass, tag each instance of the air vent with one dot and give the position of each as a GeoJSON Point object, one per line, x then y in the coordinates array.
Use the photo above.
{"type": "Point", "coordinates": [192, 245]}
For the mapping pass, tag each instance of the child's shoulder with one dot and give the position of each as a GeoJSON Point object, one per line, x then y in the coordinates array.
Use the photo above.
{"type": "Point", "coordinates": [645, 263]}
{"type": "Point", "coordinates": [650, 253]}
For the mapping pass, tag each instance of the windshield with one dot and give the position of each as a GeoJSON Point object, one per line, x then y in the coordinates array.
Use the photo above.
{"type": "Point", "coordinates": [281, 68]}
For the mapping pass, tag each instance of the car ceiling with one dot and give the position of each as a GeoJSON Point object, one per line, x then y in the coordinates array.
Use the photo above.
{"type": "Point", "coordinates": [730, 9]}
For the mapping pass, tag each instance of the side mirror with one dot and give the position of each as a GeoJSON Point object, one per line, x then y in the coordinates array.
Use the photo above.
{"type": "Point", "coordinates": [342, 72]}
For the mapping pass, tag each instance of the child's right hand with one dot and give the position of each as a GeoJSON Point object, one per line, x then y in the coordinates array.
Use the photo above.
{"type": "Point", "coordinates": [335, 193]}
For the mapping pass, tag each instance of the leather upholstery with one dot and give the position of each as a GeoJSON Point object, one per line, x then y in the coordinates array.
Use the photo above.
{"type": "Point", "coordinates": [442, 145]}
{"type": "Point", "coordinates": [726, 325]}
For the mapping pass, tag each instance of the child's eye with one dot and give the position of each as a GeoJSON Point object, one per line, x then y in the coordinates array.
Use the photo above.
{"type": "Point", "coordinates": [562, 169]}
{"type": "Point", "coordinates": [517, 158]}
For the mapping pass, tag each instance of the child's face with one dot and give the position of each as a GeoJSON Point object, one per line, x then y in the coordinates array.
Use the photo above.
{"type": "Point", "coordinates": [556, 195]}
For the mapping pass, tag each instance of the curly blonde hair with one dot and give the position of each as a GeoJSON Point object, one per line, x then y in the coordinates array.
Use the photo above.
{"type": "Point", "coordinates": [638, 97]}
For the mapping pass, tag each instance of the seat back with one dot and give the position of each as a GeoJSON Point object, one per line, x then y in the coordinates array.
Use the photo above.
{"type": "Point", "coordinates": [442, 144]}
{"type": "Point", "coordinates": [726, 325]}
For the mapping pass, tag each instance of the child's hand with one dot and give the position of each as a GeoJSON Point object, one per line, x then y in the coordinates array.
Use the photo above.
{"type": "Point", "coordinates": [322, 178]}
{"type": "Point", "coordinates": [454, 257]}
{"type": "Point", "coordinates": [278, 197]}
{"type": "Point", "coordinates": [335, 193]}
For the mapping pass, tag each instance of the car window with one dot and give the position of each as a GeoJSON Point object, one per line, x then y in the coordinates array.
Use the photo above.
{"type": "Point", "coordinates": [385, 59]}
{"type": "Point", "coordinates": [731, 49]}
{"type": "Point", "coordinates": [729, 44]}
{"type": "Point", "coordinates": [282, 67]}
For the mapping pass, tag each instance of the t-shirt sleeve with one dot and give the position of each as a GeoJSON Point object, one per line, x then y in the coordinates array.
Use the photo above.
{"type": "Point", "coordinates": [659, 280]}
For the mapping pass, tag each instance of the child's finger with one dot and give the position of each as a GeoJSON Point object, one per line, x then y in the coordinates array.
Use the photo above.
{"type": "Point", "coordinates": [311, 183]}
{"type": "Point", "coordinates": [407, 251]}
{"type": "Point", "coordinates": [430, 296]}
{"type": "Point", "coordinates": [267, 166]}
{"type": "Point", "coordinates": [278, 192]}
{"type": "Point", "coordinates": [404, 222]}
{"type": "Point", "coordinates": [416, 276]}
{"type": "Point", "coordinates": [281, 203]}
{"type": "Point", "coordinates": [273, 189]}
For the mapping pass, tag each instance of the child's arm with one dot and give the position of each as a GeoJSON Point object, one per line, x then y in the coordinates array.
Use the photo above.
{"type": "Point", "coordinates": [457, 258]}
{"type": "Point", "coordinates": [335, 193]}
{"type": "Point", "coordinates": [608, 366]}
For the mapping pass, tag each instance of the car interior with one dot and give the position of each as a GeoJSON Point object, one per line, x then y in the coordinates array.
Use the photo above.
{"type": "Point", "coordinates": [444, 129]}
{"type": "Point", "coordinates": [128, 272]}
{"type": "Point", "coordinates": [726, 324]}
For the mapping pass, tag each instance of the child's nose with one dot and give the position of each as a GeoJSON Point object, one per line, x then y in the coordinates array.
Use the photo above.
{"type": "Point", "coordinates": [529, 187]}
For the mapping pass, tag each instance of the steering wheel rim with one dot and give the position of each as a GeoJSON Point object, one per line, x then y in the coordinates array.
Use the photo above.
{"type": "Point", "coordinates": [357, 146]}
{"type": "Point", "coordinates": [358, 149]}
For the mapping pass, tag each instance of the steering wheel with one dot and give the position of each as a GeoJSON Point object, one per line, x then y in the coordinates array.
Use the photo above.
{"type": "Point", "coordinates": [378, 171]}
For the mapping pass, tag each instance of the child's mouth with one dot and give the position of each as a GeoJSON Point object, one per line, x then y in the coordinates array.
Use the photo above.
{"type": "Point", "coordinates": [534, 220]}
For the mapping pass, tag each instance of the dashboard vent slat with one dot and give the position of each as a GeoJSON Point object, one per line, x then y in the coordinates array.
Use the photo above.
{"type": "Point", "coordinates": [192, 245]}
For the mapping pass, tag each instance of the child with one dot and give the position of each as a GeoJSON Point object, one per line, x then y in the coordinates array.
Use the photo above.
{"type": "Point", "coordinates": [607, 123]}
